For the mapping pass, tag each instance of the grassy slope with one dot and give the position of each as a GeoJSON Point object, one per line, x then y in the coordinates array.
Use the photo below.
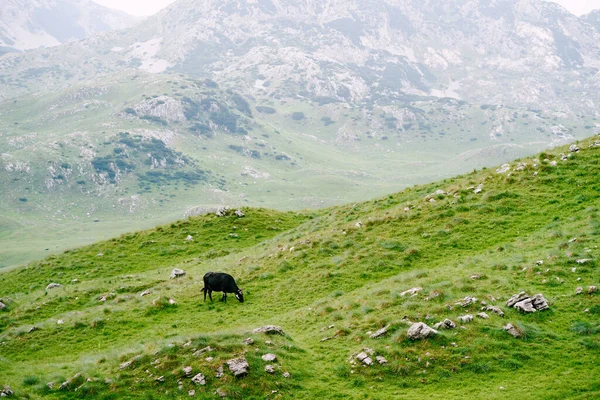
{"type": "Point", "coordinates": [336, 274]}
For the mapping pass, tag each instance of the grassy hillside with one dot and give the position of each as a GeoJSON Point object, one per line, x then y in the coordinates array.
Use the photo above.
{"type": "Point", "coordinates": [76, 163]}
{"type": "Point", "coordinates": [330, 278]}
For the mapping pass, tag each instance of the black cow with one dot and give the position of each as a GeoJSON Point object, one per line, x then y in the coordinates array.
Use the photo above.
{"type": "Point", "coordinates": [221, 282]}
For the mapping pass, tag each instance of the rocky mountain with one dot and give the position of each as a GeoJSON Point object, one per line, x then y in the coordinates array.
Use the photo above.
{"type": "Point", "coordinates": [520, 52]}
{"type": "Point", "coordinates": [28, 24]}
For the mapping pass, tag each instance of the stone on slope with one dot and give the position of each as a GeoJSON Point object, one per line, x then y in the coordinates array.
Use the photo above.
{"type": "Point", "coordinates": [364, 358]}
{"type": "Point", "coordinates": [187, 371]}
{"type": "Point", "coordinates": [249, 341]}
{"type": "Point", "coordinates": [445, 324]}
{"type": "Point", "coordinates": [269, 369]}
{"type": "Point", "coordinates": [579, 290]}
{"type": "Point", "coordinates": [269, 329]}
{"type": "Point", "coordinates": [411, 292]}
{"type": "Point", "coordinates": [494, 309]}
{"type": "Point", "coordinates": [379, 333]}
{"type": "Point", "coordinates": [467, 301]}
{"type": "Point", "coordinates": [239, 214]}
{"type": "Point", "coordinates": [516, 298]}
{"type": "Point", "coordinates": [532, 304]}
{"type": "Point", "coordinates": [176, 273]}
{"type": "Point", "coordinates": [238, 366]}
{"type": "Point", "coordinates": [592, 289]}
{"type": "Point", "coordinates": [7, 391]}
{"type": "Point", "coordinates": [199, 379]}
{"type": "Point", "coordinates": [465, 318]}
{"type": "Point", "coordinates": [483, 315]}
{"type": "Point", "coordinates": [189, 238]}
{"type": "Point", "coordinates": [420, 331]}
{"type": "Point", "coordinates": [2, 306]}
{"type": "Point", "coordinates": [270, 357]}
{"type": "Point", "coordinates": [513, 331]}
{"type": "Point", "coordinates": [53, 286]}
{"type": "Point", "coordinates": [381, 360]}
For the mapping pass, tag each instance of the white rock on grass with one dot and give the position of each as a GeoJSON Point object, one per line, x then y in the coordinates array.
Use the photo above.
{"type": "Point", "coordinates": [381, 360]}
{"type": "Point", "coordinates": [269, 329]}
{"type": "Point", "coordinates": [579, 290]}
{"type": "Point", "coordinates": [187, 371]}
{"type": "Point", "coordinates": [189, 238]}
{"type": "Point", "coordinates": [494, 309]}
{"type": "Point", "coordinates": [411, 292]}
{"type": "Point", "coordinates": [238, 366]}
{"type": "Point", "coordinates": [53, 285]}
{"type": "Point", "coordinates": [528, 304]}
{"type": "Point", "coordinates": [512, 330]}
{"type": "Point", "coordinates": [364, 358]}
{"type": "Point", "coordinates": [467, 301]}
{"type": "Point", "coordinates": [379, 333]}
{"type": "Point", "coordinates": [420, 330]}
{"type": "Point", "coordinates": [239, 214]}
{"type": "Point", "coordinates": [503, 169]}
{"type": "Point", "coordinates": [199, 379]}
{"type": "Point", "coordinates": [483, 315]}
{"type": "Point", "coordinates": [2, 306]}
{"type": "Point", "coordinates": [270, 369]}
{"type": "Point", "coordinates": [465, 318]}
{"type": "Point", "coordinates": [592, 289]}
{"type": "Point", "coordinates": [270, 357]}
{"type": "Point", "coordinates": [176, 273]}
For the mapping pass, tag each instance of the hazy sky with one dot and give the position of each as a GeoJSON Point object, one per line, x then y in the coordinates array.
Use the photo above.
{"type": "Point", "coordinates": [149, 7]}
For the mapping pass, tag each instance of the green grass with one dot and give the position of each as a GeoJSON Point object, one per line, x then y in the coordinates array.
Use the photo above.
{"type": "Point", "coordinates": [308, 271]}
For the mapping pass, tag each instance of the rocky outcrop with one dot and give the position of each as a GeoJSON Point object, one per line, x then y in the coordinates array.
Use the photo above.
{"type": "Point", "coordinates": [176, 273]}
{"type": "Point", "coordinates": [364, 358]}
{"type": "Point", "coordinates": [467, 301]}
{"type": "Point", "coordinates": [494, 309]}
{"type": "Point", "coordinates": [381, 332]}
{"type": "Point", "coordinates": [419, 331]}
{"type": "Point", "coordinates": [238, 366]}
{"type": "Point", "coordinates": [525, 303]}
{"type": "Point", "coordinates": [53, 286]}
{"type": "Point", "coordinates": [199, 379]}
{"type": "Point", "coordinates": [513, 331]}
{"type": "Point", "coordinates": [411, 292]}
{"type": "Point", "coordinates": [465, 318]}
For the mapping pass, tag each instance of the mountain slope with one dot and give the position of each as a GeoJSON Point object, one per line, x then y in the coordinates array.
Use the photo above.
{"type": "Point", "coordinates": [330, 278]}
{"type": "Point", "coordinates": [29, 24]}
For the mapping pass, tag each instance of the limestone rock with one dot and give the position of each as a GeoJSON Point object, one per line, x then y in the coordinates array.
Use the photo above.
{"type": "Point", "coordinates": [270, 357]}
{"type": "Point", "coordinates": [381, 360]}
{"type": "Point", "coordinates": [364, 358]}
{"type": "Point", "coordinates": [222, 211]}
{"type": "Point", "coordinates": [238, 366]}
{"type": "Point", "coordinates": [249, 341]}
{"type": "Point", "coordinates": [191, 393]}
{"type": "Point", "coordinates": [379, 333]}
{"type": "Point", "coordinates": [478, 189]}
{"type": "Point", "coordinates": [221, 392]}
{"type": "Point", "coordinates": [445, 324]}
{"type": "Point", "coordinates": [483, 315]}
{"type": "Point", "coordinates": [286, 374]}
{"type": "Point", "coordinates": [513, 331]}
{"type": "Point", "coordinates": [125, 364]}
{"type": "Point", "coordinates": [239, 214]}
{"type": "Point", "coordinates": [189, 238]}
{"type": "Point", "coordinates": [270, 369]}
{"type": "Point", "coordinates": [219, 373]}
{"type": "Point", "coordinates": [176, 273]}
{"type": "Point", "coordinates": [467, 301]}
{"type": "Point", "coordinates": [199, 379]}
{"type": "Point", "coordinates": [145, 293]}
{"type": "Point", "coordinates": [503, 169]}
{"type": "Point", "coordinates": [529, 304]}
{"type": "Point", "coordinates": [203, 350]}
{"type": "Point", "coordinates": [7, 391]}
{"type": "Point", "coordinates": [583, 261]}
{"type": "Point", "coordinates": [516, 298]}
{"type": "Point", "coordinates": [574, 148]}
{"type": "Point", "coordinates": [187, 371]}
{"type": "Point", "coordinates": [64, 385]}
{"type": "Point", "coordinates": [579, 290]}
{"type": "Point", "coordinates": [359, 224]}
{"type": "Point", "coordinates": [420, 331]}
{"type": "Point", "coordinates": [411, 292]}
{"type": "Point", "coordinates": [2, 306]}
{"type": "Point", "coordinates": [494, 309]}
{"type": "Point", "coordinates": [592, 289]}
{"type": "Point", "coordinates": [465, 318]}
{"type": "Point", "coordinates": [269, 329]}
{"type": "Point", "coordinates": [53, 285]}
{"type": "Point", "coordinates": [160, 379]}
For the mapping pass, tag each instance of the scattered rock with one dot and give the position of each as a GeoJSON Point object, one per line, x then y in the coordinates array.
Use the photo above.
{"type": "Point", "coordinates": [467, 301]}
{"type": "Point", "coordinates": [208, 359]}
{"type": "Point", "coordinates": [172, 302]}
{"type": "Point", "coordinates": [192, 392]}
{"type": "Point", "coordinates": [465, 318]}
{"type": "Point", "coordinates": [483, 315]}
{"type": "Point", "coordinates": [125, 364]}
{"type": "Point", "coordinates": [553, 163]}
{"type": "Point", "coordinates": [478, 189]}
{"type": "Point", "coordinates": [60, 322]}
{"type": "Point", "coordinates": [475, 276]}
{"type": "Point", "coordinates": [503, 169]}
{"type": "Point", "coordinates": [445, 324]}
{"type": "Point", "coordinates": [33, 329]}
{"type": "Point", "coordinates": [513, 331]}
{"type": "Point", "coordinates": [270, 357]}
{"type": "Point", "coordinates": [286, 374]}
{"type": "Point", "coordinates": [494, 309]}
{"type": "Point", "coordinates": [145, 293]}
{"type": "Point", "coordinates": [222, 211]}
{"type": "Point", "coordinates": [53, 285]}
{"type": "Point", "coordinates": [326, 339]}
{"type": "Point", "coordinates": [189, 238]}
{"type": "Point", "coordinates": [2, 306]}
{"type": "Point", "coordinates": [187, 371]}
{"type": "Point", "coordinates": [433, 295]}
{"type": "Point", "coordinates": [219, 373]}
{"type": "Point", "coordinates": [238, 366]}
{"type": "Point", "coordinates": [525, 303]}
{"type": "Point", "coordinates": [160, 379]}
{"type": "Point", "coordinates": [364, 358]}
{"type": "Point", "coordinates": [579, 290]}
{"type": "Point", "coordinates": [359, 224]}
{"type": "Point", "coordinates": [64, 385]}
{"type": "Point", "coordinates": [239, 214]}
{"type": "Point", "coordinates": [268, 343]}
{"type": "Point", "coordinates": [583, 261]}
{"type": "Point", "coordinates": [50, 385]}
{"type": "Point", "coordinates": [379, 333]}
{"type": "Point", "coordinates": [206, 349]}
{"type": "Point", "coordinates": [420, 331]}
{"type": "Point", "coordinates": [7, 391]}
{"type": "Point", "coordinates": [249, 341]}
{"type": "Point", "coordinates": [270, 369]}
{"type": "Point", "coordinates": [176, 273]}
{"type": "Point", "coordinates": [411, 292]}
{"type": "Point", "coordinates": [199, 379]}
{"type": "Point", "coordinates": [269, 329]}
{"type": "Point", "coordinates": [592, 289]}
{"type": "Point", "coordinates": [574, 148]}
{"type": "Point", "coordinates": [381, 360]}
{"type": "Point", "coordinates": [221, 392]}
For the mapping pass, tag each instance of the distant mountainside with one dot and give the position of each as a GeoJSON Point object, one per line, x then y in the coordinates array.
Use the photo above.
{"type": "Point", "coordinates": [593, 19]}
{"type": "Point", "coordinates": [28, 24]}
{"type": "Point", "coordinates": [518, 52]}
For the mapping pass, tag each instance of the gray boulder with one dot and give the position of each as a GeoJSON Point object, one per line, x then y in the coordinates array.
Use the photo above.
{"type": "Point", "coordinates": [513, 331]}
{"type": "Point", "coordinates": [269, 330]}
{"type": "Point", "coordinates": [269, 357]}
{"type": "Point", "coordinates": [592, 289]}
{"type": "Point", "coordinates": [445, 324]}
{"type": "Point", "coordinates": [465, 318]}
{"type": "Point", "coordinates": [2, 306]}
{"type": "Point", "coordinates": [7, 391]}
{"type": "Point", "coordinates": [239, 214]}
{"type": "Point", "coordinates": [494, 309]}
{"type": "Point", "coordinates": [364, 358]}
{"type": "Point", "coordinates": [532, 304]}
{"type": "Point", "coordinates": [516, 298]}
{"type": "Point", "coordinates": [176, 273]}
{"type": "Point", "coordinates": [199, 379]}
{"type": "Point", "coordinates": [270, 369]}
{"type": "Point", "coordinates": [53, 286]}
{"type": "Point", "coordinates": [238, 366]}
{"type": "Point", "coordinates": [483, 315]}
{"type": "Point", "coordinates": [187, 371]}
{"type": "Point", "coordinates": [379, 333]}
{"type": "Point", "coordinates": [467, 301]}
{"type": "Point", "coordinates": [420, 331]}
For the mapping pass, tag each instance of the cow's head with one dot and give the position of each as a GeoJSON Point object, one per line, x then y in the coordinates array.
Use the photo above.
{"type": "Point", "coordinates": [239, 295]}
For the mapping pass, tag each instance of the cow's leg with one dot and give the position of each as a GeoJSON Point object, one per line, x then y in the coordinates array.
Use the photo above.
{"type": "Point", "coordinates": [224, 298]}
{"type": "Point", "coordinates": [204, 290]}
{"type": "Point", "coordinates": [210, 294]}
